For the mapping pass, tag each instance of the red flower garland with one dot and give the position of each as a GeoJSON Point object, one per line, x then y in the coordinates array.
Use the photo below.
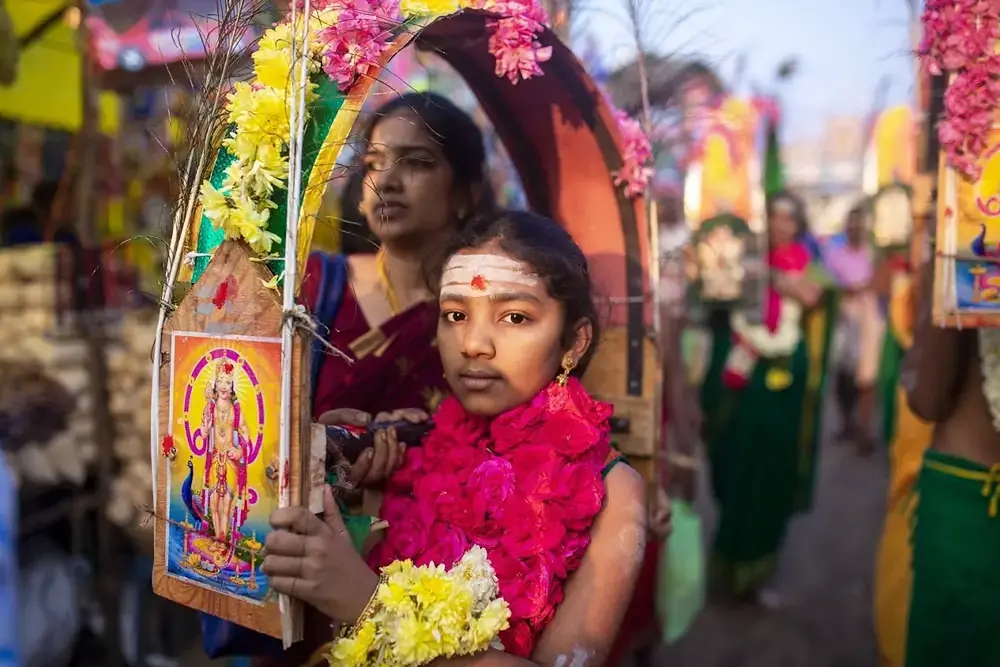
{"type": "Point", "coordinates": [525, 486]}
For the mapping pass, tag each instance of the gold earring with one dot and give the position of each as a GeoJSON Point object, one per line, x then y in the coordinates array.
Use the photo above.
{"type": "Point", "coordinates": [568, 364]}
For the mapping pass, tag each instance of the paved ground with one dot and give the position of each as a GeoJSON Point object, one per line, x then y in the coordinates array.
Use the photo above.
{"type": "Point", "coordinates": [824, 581]}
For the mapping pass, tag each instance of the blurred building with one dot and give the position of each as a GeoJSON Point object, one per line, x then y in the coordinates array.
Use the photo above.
{"type": "Point", "coordinates": [826, 170]}
{"type": "Point", "coordinates": [830, 162]}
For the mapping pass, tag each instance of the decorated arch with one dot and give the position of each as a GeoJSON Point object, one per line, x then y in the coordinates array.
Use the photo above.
{"type": "Point", "coordinates": [581, 161]}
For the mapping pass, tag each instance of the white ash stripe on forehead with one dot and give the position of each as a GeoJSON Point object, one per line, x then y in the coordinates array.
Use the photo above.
{"type": "Point", "coordinates": [478, 262]}
{"type": "Point", "coordinates": [488, 274]}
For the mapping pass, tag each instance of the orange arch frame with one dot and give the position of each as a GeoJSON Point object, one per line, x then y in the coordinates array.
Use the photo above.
{"type": "Point", "coordinates": [562, 137]}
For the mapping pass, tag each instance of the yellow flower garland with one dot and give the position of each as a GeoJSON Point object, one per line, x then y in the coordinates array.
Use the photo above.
{"type": "Point", "coordinates": [259, 112]}
{"type": "Point", "coordinates": [419, 614]}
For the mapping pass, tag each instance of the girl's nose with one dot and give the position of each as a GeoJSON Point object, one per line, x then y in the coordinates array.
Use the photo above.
{"type": "Point", "coordinates": [478, 341]}
{"type": "Point", "coordinates": [388, 179]}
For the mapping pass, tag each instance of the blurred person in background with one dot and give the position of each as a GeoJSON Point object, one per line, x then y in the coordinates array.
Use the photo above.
{"type": "Point", "coordinates": [860, 329]}
{"type": "Point", "coordinates": [911, 437]}
{"type": "Point", "coordinates": [752, 398]}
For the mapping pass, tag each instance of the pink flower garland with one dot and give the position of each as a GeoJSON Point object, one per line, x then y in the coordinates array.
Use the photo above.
{"type": "Point", "coordinates": [960, 37]}
{"type": "Point", "coordinates": [525, 486]}
{"type": "Point", "coordinates": [352, 47]}
{"type": "Point", "coordinates": [637, 156]}
{"type": "Point", "coordinates": [514, 39]}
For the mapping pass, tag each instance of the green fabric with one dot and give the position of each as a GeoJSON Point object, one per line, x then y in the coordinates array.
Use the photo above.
{"type": "Point", "coordinates": [321, 116]}
{"type": "Point", "coordinates": [822, 317]}
{"type": "Point", "coordinates": [954, 616]}
{"type": "Point", "coordinates": [752, 436]}
{"type": "Point", "coordinates": [888, 378]}
{"type": "Point", "coordinates": [774, 172]}
{"type": "Point", "coordinates": [359, 527]}
{"type": "Point", "coordinates": [680, 580]}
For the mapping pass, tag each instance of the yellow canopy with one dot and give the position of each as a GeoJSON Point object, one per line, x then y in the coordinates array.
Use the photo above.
{"type": "Point", "coordinates": [47, 90]}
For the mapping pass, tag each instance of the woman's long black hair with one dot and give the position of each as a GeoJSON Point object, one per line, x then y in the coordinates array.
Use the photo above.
{"type": "Point", "coordinates": [553, 254]}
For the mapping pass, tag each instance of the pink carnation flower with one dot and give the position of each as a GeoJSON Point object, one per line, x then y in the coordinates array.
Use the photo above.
{"type": "Point", "coordinates": [959, 38]}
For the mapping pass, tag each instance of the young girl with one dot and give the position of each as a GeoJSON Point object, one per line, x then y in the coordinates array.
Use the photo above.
{"type": "Point", "coordinates": [519, 463]}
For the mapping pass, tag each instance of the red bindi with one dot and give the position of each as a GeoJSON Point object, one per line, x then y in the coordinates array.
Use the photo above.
{"type": "Point", "coordinates": [478, 283]}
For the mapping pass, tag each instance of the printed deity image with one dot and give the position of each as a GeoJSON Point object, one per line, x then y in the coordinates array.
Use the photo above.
{"type": "Point", "coordinates": [223, 460]}
{"type": "Point", "coordinates": [974, 217]}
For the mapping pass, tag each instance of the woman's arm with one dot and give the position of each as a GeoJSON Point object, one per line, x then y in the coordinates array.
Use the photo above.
{"type": "Point", "coordinates": [806, 291]}
{"type": "Point", "coordinates": [598, 594]}
{"type": "Point", "coordinates": [933, 367]}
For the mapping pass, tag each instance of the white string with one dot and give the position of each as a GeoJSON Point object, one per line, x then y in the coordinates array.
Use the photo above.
{"type": "Point", "coordinates": [300, 74]}
{"type": "Point", "coordinates": [304, 321]}
{"type": "Point", "coordinates": [192, 256]}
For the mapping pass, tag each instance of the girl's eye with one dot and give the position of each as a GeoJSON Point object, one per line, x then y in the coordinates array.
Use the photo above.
{"type": "Point", "coordinates": [417, 162]}
{"type": "Point", "coordinates": [453, 316]}
{"type": "Point", "coordinates": [515, 318]}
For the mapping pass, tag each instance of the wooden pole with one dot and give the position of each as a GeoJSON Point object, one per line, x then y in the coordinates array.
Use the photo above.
{"type": "Point", "coordinates": [109, 577]}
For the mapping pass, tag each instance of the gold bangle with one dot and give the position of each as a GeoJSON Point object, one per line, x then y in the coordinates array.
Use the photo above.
{"type": "Point", "coordinates": [369, 608]}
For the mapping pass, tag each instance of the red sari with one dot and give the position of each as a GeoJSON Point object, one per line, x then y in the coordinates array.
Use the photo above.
{"type": "Point", "coordinates": [396, 365]}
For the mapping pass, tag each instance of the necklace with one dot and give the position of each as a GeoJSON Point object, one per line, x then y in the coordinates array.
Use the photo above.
{"type": "Point", "coordinates": [383, 276]}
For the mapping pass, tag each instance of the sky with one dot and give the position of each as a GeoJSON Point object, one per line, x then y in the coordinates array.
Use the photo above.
{"type": "Point", "coordinates": [844, 48]}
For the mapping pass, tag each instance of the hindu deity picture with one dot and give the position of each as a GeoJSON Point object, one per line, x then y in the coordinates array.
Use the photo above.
{"type": "Point", "coordinates": [221, 480]}
{"type": "Point", "coordinates": [969, 239]}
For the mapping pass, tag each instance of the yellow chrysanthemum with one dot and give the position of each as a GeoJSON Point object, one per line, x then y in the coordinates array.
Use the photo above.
{"type": "Point", "coordinates": [432, 586]}
{"type": "Point", "coordinates": [353, 651]}
{"type": "Point", "coordinates": [428, 7]}
{"type": "Point", "coordinates": [416, 643]}
{"type": "Point", "coordinates": [260, 114]}
{"type": "Point", "coordinates": [396, 596]}
{"type": "Point", "coordinates": [491, 622]}
{"type": "Point", "coordinates": [276, 38]}
{"type": "Point", "coordinates": [426, 612]}
{"type": "Point", "coordinates": [215, 204]}
{"type": "Point", "coordinates": [273, 67]}
{"type": "Point", "coordinates": [398, 568]}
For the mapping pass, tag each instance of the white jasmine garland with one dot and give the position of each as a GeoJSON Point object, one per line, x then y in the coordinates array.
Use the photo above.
{"type": "Point", "coordinates": [989, 352]}
{"type": "Point", "coordinates": [771, 345]}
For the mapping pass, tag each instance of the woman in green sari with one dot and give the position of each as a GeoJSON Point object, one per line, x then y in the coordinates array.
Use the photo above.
{"type": "Point", "coordinates": [753, 398]}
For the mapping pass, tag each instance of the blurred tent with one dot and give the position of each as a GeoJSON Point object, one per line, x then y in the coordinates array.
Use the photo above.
{"type": "Point", "coordinates": [47, 86]}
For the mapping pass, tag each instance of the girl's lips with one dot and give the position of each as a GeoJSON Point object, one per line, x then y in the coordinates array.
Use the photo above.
{"type": "Point", "coordinates": [475, 382]}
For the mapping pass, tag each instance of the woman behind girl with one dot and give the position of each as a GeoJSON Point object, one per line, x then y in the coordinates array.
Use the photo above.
{"type": "Point", "coordinates": [519, 463]}
{"type": "Point", "coordinates": [423, 178]}
{"type": "Point", "coordinates": [757, 448]}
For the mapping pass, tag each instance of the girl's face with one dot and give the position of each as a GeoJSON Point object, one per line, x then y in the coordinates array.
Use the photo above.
{"type": "Point", "coordinates": [500, 332]}
{"type": "Point", "coordinates": [408, 193]}
{"type": "Point", "coordinates": [782, 224]}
